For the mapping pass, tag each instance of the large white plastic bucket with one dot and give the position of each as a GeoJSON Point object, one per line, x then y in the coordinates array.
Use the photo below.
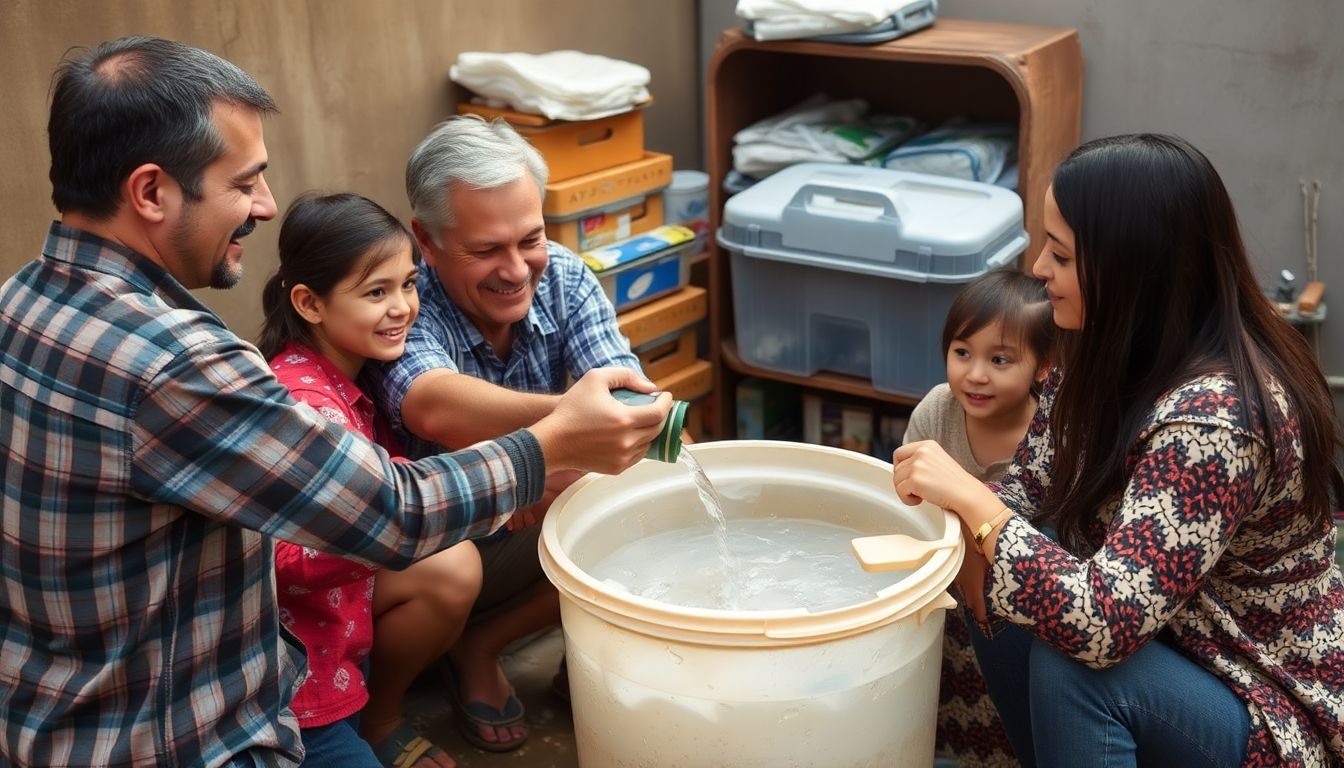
{"type": "Point", "coordinates": [654, 684]}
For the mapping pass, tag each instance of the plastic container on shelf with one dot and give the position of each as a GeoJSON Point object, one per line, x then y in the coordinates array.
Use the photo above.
{"type": "Point", "coordinates": [654, 684]}
{"type": "Point", "coordinates": [600, 227]}
{"type": "Point", "coordinates": [645, 267]}
{"type": "Point", "coordinates": [852, 269]}
{"type": "Point", "coordinates": [687, 199]}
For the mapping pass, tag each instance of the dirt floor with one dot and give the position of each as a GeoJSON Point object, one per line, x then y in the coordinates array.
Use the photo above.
{"type": "Point", "coordinates": [530, 667]}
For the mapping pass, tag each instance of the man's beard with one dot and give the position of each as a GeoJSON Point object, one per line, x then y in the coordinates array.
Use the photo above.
{"type": "Point", "coordinates": [226, 275]}
{"type": "Point", "coordinates": [223, 275]}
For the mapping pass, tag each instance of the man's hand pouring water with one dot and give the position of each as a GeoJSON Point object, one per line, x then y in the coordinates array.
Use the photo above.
{"type": "Point", "coordinates": [592, 431]}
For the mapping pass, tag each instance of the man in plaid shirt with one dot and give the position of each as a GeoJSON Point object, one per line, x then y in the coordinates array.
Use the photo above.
{"type": "Point", "coordinates": [507, 318]}
{"type": "Point", "coordinates": [149, 455]}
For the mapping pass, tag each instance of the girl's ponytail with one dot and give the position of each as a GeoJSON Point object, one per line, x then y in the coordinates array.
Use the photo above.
{"type": "Point", "coordinates": [281, 324]}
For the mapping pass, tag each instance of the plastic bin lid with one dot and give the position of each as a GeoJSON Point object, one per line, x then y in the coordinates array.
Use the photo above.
{"type": "Point", "coordinates": [876, 220]}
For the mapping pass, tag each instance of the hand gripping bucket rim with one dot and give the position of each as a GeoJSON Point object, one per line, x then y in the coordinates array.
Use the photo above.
{"type": "Point", "coordinates": [579, 510]}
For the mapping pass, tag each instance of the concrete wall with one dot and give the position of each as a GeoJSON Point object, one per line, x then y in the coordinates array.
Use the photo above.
{"type": "Point", "coordinates": [1259, 87]}
{"type": "Point", "coordinates": [359, 82]}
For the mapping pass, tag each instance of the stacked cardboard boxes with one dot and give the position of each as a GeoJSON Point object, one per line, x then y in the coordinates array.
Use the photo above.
{"type": "Point", "coordinates": [663, 334]}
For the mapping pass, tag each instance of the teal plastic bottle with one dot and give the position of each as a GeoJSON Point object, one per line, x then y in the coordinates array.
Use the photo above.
{"type": "Point", "coordinates": [667, 446]}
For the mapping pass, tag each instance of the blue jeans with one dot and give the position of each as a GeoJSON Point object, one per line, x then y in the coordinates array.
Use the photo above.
{"type": "Point", "coordinates": [338, 746]}
{"type": "Point", "coordinates": [1155, 708]}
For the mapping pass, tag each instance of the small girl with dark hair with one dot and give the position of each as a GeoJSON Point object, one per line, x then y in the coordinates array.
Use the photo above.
{"type": "Point", "coordinates": [997, 341]}
{"type": "Point", "coordinates": [1189, 611]}
{"type": "Point", "coordinates": [345, 294]}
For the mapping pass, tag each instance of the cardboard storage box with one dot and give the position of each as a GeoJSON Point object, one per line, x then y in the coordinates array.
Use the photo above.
{"type": "Point", "coordinates": [663, 316]}
{"type": "Point", "coordinates": [667, 354]}
{"type": "Point", "coordinates": [689, 383]}
{"type": "Point", "coordinates": [594, 190]}
{"type": "Point", "coordinates": [598, 228]}
{"type": "Point", "coordinates": [574, 148]}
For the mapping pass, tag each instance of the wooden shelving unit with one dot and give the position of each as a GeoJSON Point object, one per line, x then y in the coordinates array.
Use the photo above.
{"type": "Point", "coordinates": [1028, 75]}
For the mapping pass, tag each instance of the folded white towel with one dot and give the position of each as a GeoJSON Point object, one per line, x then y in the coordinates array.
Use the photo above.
{"type": "Point", "coordinates": [816, 108]}
{"type": "Point", "coordinates": [787, 19]}
{"type": "Point", "coordinates": [817, 130]}
{"type": "Point", "coordinates": [562, 85]}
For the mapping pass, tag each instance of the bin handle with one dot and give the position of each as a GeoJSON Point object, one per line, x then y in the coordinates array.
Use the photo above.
{"type": "Point", "coordinates": [943, 601]}
{"type": "Point", "coordinates": [1007, 253]}
{"type": "Point", "coordinates": [852, 199]}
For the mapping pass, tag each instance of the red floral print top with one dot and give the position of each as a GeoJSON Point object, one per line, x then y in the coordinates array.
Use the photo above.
{"type": "Point", "coordinates": [327, 600]}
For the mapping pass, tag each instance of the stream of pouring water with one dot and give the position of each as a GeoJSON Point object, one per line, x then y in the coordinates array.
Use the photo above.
{"type": "Point", "coordinates": [709, 498]}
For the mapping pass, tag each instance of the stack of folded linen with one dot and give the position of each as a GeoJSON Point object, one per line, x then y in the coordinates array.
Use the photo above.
{"type": "Point", "coordinates": [818, 130]}
{"type": "Point", "coordinates": [961, 149]}
{"type": "Point", "coordinates": [837, 20]}
{"type": "Point", "coordinates": [562, 85]}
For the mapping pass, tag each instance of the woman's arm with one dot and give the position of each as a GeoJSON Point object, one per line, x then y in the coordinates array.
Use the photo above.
{"type": "Point", "coordinates": [1189, 488]}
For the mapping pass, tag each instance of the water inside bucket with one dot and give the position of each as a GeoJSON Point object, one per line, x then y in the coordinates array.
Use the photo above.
{"type": "Point", "coordinates": [780, 564]}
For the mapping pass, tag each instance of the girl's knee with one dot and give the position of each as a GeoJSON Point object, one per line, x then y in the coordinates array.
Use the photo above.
{"type": "Point", "coordinates": [455, 581]}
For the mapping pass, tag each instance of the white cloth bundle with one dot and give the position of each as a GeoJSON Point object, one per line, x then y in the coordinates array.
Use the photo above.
{"type": "Point", "coordinates": [960, 149]}
{"type": "Point", "coordinates": [787, 19]}
{"type": "Point", "coordinates": [817, 130]}
{"type": "Point", "coordinates": [562, 85]}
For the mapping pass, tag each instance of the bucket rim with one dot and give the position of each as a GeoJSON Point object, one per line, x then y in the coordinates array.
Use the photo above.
{"type": "Point", "coordinates": [916, 595]}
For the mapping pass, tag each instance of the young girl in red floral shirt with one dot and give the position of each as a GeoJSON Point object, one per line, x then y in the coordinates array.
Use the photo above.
{"type": "Point", "coordinates": [345, 294]}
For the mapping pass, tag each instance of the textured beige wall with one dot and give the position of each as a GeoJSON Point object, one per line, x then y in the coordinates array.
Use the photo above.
{"type": "Point", "coordinates": [358, 82]}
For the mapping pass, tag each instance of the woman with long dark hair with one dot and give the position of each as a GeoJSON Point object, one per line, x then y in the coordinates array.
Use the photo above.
{"type": "Point", "coordinates": [1191, 611]}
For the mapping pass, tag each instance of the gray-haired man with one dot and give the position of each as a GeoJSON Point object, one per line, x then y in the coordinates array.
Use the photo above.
{"type": "Point", "coordinates": [506, 320]}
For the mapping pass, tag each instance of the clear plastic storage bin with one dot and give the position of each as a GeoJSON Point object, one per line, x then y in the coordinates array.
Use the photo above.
{"type": "Point", "coordinates": [852, 269]}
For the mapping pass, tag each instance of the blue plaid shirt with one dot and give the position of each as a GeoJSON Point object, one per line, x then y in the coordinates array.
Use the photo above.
{"type": "Point", "coordinates": [149, 457]}
{"type": "Point", "coordinates": [569, 329]}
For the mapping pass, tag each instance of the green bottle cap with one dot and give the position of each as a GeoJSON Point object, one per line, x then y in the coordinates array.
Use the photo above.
{"type": "Point", "coordinates": [667, 446]}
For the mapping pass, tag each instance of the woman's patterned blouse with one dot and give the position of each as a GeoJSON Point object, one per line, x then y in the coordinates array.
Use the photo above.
{"type": "Point", "coordinates": [1206, 542]}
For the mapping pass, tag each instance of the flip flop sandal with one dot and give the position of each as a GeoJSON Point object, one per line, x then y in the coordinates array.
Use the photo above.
{"type": "Point", "coordinates": [403, 747]}
{"type": "Point", "coordinates": [471, 716]}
